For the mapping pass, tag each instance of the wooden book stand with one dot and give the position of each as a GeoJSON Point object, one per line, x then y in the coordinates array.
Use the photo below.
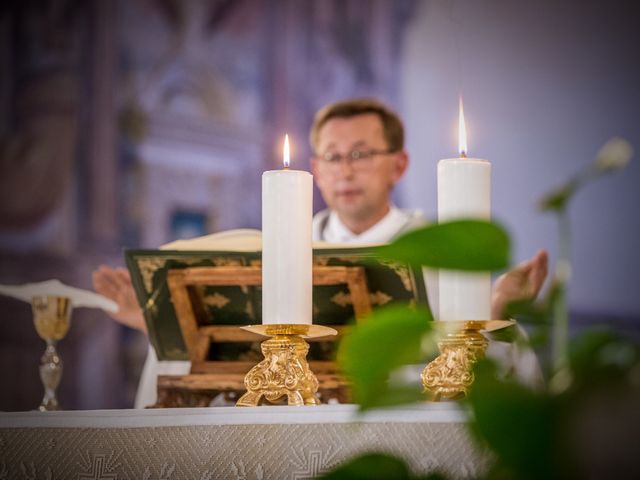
{"type": "Point", "coordinates": [207, 378]}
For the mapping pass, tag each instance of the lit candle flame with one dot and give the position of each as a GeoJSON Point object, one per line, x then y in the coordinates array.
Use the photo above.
{"type": "Point", "coordinates": [286, 160]}
{"type": "Point", "coordinates": [462, 132]}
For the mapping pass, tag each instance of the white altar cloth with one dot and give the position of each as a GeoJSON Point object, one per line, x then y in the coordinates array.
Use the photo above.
{"type": "Point", "coordinates": [232, 443]}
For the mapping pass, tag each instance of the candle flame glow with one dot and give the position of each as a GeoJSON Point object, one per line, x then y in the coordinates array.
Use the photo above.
{"type": "Point", "coordinates": [285, 159]}
{"type": "Point", "coordinates": [462, 132]}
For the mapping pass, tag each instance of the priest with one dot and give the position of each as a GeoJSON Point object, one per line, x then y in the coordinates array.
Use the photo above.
{"type": "Point", "coordinates": [358, 157]}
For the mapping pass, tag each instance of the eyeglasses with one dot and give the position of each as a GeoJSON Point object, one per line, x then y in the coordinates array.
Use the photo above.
{"type": "Point", "coordinates": [357, 159]}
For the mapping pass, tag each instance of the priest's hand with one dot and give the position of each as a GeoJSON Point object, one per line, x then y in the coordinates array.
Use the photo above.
{"type": "Point", "coordinates": [115, 283]}
{"type": "Point", "coordinates": [522, 283]}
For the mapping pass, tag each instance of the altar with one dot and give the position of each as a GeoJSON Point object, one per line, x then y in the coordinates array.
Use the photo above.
{"type": "Point", "coordinates": [261, 443]}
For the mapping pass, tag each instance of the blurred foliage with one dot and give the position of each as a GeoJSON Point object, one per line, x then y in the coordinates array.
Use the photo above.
{"type": "Point", "coordinates": [590, 429]}
{"type": "Point", "coordinates": [508, 415]}
{"type": "Point", "coordinates": [583, 423]}
{"type": "Point", "coordinates": [390, 338]}
{"type": "Point", "coordinates": [472, 245]}
{"type": "Point", "coordinates": [538, 317]}
{"type": "Point", "coordinates": [376, 466]}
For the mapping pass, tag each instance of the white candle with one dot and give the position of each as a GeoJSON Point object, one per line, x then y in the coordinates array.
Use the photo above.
{"type": "Point", "coordinates": [286, 245]}
{"type": "Point", "coordinates": [464, 191]}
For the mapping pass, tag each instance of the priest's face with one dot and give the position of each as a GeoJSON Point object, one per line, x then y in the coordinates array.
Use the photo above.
{"type": "Point", "coordinates": [354, 169]}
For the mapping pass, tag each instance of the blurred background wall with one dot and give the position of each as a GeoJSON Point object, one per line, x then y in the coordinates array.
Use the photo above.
{"type": "Point", "coordinates": [545, 85]}
{"type": "Point", "coordinates": [130, 123]}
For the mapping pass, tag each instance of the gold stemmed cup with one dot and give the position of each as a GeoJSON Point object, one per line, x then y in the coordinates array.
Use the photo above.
{"type": "Point", "coordinates": [52, 319]}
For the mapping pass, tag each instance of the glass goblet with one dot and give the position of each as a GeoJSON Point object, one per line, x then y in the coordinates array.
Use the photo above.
{"type": "Point", "coordinates": [52, 319]}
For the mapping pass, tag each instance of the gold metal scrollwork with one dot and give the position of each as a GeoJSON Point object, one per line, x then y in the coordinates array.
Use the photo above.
{"type": "Point", "coordinates": [283, 372]}
{"type": "Point", "coordinates": [450, 375]}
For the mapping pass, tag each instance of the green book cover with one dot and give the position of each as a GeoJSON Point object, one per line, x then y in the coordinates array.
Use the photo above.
{"type": "Point", "coordinates": [387, 282]}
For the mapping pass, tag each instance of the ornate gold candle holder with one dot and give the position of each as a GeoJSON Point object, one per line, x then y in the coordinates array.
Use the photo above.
{"type": "Point", "coordinates": [52, 319]}
{"type": "Point", "coordinates": [284, 370]}
{"type": "Point", "coordinates": [450, 375]}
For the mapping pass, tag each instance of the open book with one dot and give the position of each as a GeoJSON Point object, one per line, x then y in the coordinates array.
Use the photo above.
{"type": "Point", "coordinates": [387, 282]}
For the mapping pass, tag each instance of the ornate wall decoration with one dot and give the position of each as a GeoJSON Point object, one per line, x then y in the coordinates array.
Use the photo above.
{"type": "Point", "coordinates": [39, 130]}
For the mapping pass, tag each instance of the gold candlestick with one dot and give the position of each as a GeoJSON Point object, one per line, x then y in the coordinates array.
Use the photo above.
{"type": "Point", "coordinates": [284, 370]}
{"type": "Point", "coordinates": [52, 319]}
{"type": "Point", "coordinates": [450, 375]}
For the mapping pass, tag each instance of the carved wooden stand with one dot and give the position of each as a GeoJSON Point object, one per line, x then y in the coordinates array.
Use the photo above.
{"type": "Point", "coordinates": [208, 379]}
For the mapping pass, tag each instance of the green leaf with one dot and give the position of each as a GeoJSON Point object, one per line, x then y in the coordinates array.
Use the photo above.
{"type": "Point", "coordinates": [528, 311]}
{"type": "Point", "coordinates": [599, 356]}
{"type": "Point", "coordinates": [393, 395]}
{"type": "Point", "coordinates": [538, 316]}
{"type": "Point", "coordinates": [558, 199]}
{"type": "Point", "coordinates": [517, 423]}
{"type": "Point", "coordinates": [473, 245]}
{"type": "Point", "coordinates": [509, 334]}
{"type": "Point", "coordinates": [390, 338]}
{"type": "Point", "coordinates": [376, 466]}
{"type": "Point", "coordinates": [372, 466]}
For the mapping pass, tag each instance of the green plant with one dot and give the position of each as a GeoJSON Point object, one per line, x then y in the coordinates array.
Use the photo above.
{"type": "Point", "coordinates": [376, 467]}
{"type": "Point", "coordinates": [585, 422]}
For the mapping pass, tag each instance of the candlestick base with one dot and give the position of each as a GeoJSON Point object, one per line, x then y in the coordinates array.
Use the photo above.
{"type": "Point", "coordinates": [450, 375]}
{"type": "Point", "coordinates": [284, 370]}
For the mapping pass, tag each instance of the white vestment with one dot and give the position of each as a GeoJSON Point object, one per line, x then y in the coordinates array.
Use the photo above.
{"type": "Point", "coordinates": [147, 392]}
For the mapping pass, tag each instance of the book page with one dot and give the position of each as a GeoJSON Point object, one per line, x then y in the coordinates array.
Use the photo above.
{"type": "Point", "coordinates": [240, 240]}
